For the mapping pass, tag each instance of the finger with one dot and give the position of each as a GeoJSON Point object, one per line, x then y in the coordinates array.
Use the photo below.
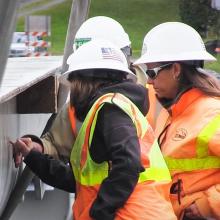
{"type": "Point", "coordinates": [18, 148]}
{"type": "Point", "coordinates": [189, 212]}
{"type": "Point", "coordinates": [195, 211]}
{"type": "Point", "coordinates": [24, 148]}
{"type": "Point", "coordinates": [18, 160]}
{"type": "Point", "coordinates": [26, 140]}
{"type": "Point", "coordinates": [21, 145]}
{"type": "Point", "coordinates": [17, 156]}
{"type": "Point", "coordinates": [14, 149]}
{"type": "Point", "coordinates": [191, 216]}
{"type": "Point", "coordinates": [192, 211]}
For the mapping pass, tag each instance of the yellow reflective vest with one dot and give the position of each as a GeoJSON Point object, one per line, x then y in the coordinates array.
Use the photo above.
{"type": "Point", "coordinates": [89, 174]}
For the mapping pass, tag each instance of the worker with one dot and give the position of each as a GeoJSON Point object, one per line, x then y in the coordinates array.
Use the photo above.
{"type": "Point", "coordinates": [155, 106]}
{"type": "Point", "coordinates": [188, 128]}
{"type": "Point", "coordinates": [58, 140]}
{"type": "Point", "coordinates": [117, 164]}
{"type": "Point", "coordinates": [142, 77]}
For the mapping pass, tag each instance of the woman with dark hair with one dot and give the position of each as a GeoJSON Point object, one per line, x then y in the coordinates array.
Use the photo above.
{"type": "Point", "coordinates": [188, 128]}
{"type": "Point", "coordinates": [59, 134]}
{"type": "Point", "coordinates": [118, 171]}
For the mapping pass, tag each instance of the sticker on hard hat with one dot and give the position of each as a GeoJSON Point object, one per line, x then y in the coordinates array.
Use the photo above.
{"type": "Point", "coordinates": [111, 53]}
{"type": "Point", "coordinates": [80, 41]}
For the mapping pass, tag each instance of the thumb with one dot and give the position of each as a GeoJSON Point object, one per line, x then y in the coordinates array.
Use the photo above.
{"type": "Point", "coordinates": [23, 147]}
{"type": "Point", "coordinates": [27, 140]}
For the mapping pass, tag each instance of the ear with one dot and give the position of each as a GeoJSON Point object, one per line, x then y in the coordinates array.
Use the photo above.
{"type": "Point", "coordinates": [176, 70]}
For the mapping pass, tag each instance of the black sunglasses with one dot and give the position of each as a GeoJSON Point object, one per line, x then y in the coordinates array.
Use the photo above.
{"type": "Point", "coordinates": [152, 73]}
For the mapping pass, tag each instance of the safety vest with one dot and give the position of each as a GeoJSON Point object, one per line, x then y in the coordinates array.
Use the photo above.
{"type": "Point", "coordinates": [202, 160]}
{"type": "Point", "coordinates": [190, 145]}
{"type": "Point", "coordinates": [72, 118]}
{"type": "Point", "coordinates": [155, 106]}
{"type": "Point", "coordinates": [89, 174]}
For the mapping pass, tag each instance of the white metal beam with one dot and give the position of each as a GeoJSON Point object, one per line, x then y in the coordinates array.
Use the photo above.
{"type": "Point", "coordinates": [8, 17]}
{"type": "Point", "coordinates": [79, 13]}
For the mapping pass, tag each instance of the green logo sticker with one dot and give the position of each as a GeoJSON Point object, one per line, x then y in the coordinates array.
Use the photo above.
{"type": "Point", "coordinates": [80, 41]}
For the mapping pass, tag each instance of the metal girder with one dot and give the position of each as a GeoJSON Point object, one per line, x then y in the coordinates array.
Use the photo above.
{"type": "Point", "coordinates": [8, 17]}
{"type": "Point", "coordinates": [79, 13]}
{"type": "Point", "coordinates": [8, 14]}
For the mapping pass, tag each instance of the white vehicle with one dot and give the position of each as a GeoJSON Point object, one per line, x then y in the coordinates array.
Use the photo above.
{"type": "Point", "coordinates": [20, 45]}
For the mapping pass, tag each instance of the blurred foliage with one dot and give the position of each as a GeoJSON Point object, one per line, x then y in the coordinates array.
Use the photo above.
{"type": "Point", "coordinates": [137, 17]}
{"type": "Point", "coordinates": [200, 15]}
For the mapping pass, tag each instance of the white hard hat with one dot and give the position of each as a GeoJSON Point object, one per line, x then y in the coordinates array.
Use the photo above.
{"type": "Point", "coordinates": [101, 27]}
{"type": "Point", "coordinates": [173, 41]}
{"type": "Point", "coordinates": [97, 54]}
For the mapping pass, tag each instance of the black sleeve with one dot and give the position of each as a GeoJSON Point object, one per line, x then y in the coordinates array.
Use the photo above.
{"type": "Point", "coordinates": [115, 139]}
{"type": "Point", "coordinates": [51, 171]}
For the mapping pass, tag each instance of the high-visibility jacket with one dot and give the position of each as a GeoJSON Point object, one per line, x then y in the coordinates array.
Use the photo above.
{"type": "Point", "coordinates": [72, 118]}
{"type": "Point", "coordinates": [147, 200]}
{"type": "Point", "coordinates": [155, 106]}
{"type": "Point", "coordinates": [189, 137]}
{"type": "Point", "coordinates": [58, 140]}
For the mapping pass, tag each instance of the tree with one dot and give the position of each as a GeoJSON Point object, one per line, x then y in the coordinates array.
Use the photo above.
{"type": "Point", "coordinates": [200, 15]}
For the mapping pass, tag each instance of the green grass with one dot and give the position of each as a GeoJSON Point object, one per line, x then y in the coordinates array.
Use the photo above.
{"type": "Point", "coordinates": [33, 5]}
{"type": "Point", "coordinates": [214, 65]}
{"type": "Point", "coordinates": [136, 16]}
{"type": "Point", "coordinates": [59, 23]}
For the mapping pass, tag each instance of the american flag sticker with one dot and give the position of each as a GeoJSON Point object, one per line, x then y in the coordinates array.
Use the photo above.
{"type": "Point", "coordinates": [111, 54]}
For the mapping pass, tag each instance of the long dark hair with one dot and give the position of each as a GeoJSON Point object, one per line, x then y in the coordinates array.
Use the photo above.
{"type": "Point", "coordinates": [84, 88]}
{"type": "Point", "coordinates": [191, 76]}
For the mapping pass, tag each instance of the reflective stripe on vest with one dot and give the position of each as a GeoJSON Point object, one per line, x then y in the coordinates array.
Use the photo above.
{"type": "Point", "coordinates": [89, 173]}
{"type": "Point", "coordinates": [158, 170]}
{"type": "Point", "coordinates": [72, 118]}
{"type": "Point", "coordinates": [202, 160]}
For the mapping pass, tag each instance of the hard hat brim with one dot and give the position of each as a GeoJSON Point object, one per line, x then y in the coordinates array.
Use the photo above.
{"type": "Point", "coordinates": [154, 58]}
{"type": "Point", "coordinates": [95, 65]}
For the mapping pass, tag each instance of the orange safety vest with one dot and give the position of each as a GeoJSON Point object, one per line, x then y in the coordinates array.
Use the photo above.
{"type": "Point", "coordinates": [149, 199]}
{"type": "Point", "coordinates": [189, 138]}
{"type": "Point", "coordinates": [72, 118]}
{"type": "Point", "coordinates": [154, 108]}
{"type": "Point", "coordinates": [152, 114]}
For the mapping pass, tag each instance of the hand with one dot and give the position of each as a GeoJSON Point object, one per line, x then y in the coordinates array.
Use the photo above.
{"type": "Point", "coordinates": [192, 212]}
{"type": "Point", "coordinates": [17, 156]}
{"type": "Point", "coordinates": [22, 147]}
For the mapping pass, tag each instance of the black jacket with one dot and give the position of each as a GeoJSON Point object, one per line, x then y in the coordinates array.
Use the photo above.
{"type": "Point", "coordinates": [115, 139]}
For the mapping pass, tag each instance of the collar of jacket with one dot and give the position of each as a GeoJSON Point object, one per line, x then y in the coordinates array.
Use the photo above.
{"type": "Point", "coordinates": [186, 99]}
{"type": "Point", "coordinates": [167, 103]}
{"type": "Point", "coordinates": [135, 92]}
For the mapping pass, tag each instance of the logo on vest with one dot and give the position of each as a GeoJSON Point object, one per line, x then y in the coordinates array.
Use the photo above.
{"type": "Point", "coordinates": [180, 134]}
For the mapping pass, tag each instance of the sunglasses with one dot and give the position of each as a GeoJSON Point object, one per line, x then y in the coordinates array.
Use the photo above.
{"type": "Point", "coordinates": [152, 73]}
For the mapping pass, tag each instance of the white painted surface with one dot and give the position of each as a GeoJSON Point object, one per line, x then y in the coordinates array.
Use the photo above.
{"type": "Point", "coordinates": [12, 126]}
{"type": "Point", "coordinates": [20, 74]}
{"type": "Point", "coordinates": [23, 72]}
{"type": "Point", "coordinates": [54, 206]}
